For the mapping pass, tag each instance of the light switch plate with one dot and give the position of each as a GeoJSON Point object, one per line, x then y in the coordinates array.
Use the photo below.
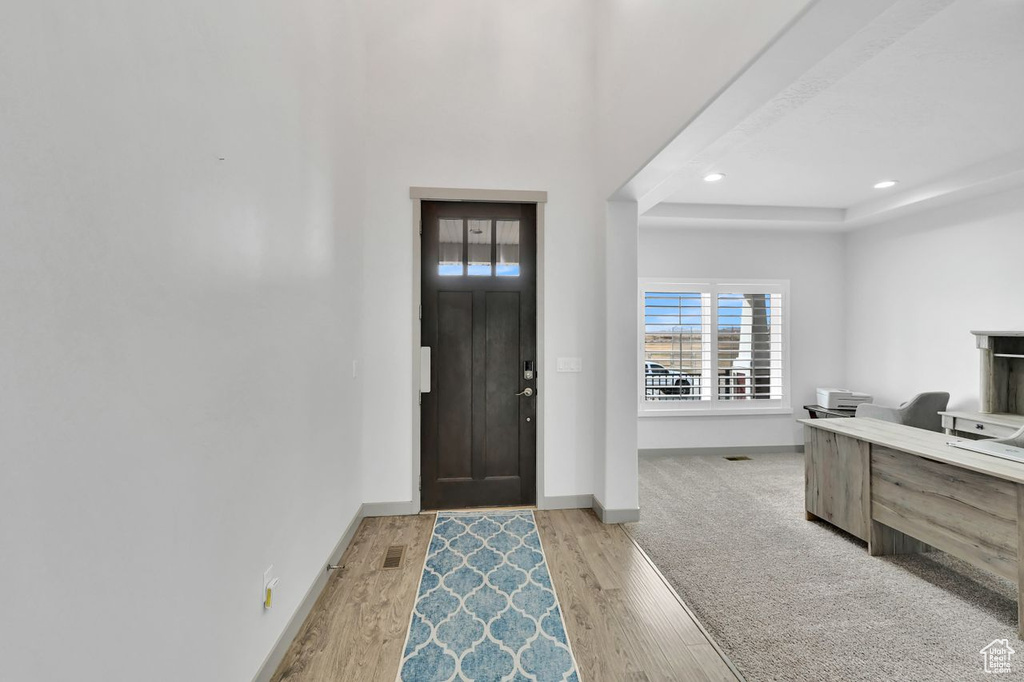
{"type": "Point", "coordinates": [570, 365]}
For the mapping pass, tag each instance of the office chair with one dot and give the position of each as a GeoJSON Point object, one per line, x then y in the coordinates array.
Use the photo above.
{"type": "Point", "coordinates": [921, 411]}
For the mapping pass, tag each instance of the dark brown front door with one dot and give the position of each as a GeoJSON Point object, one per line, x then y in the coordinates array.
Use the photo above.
{"type": "Point", "coordinates": [480, 321]}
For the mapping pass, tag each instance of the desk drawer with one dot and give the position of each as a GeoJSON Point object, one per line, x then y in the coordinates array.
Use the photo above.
{"type": "Point", "coordinates": [982, 429]}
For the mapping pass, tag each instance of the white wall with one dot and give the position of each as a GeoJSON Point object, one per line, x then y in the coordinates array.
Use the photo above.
{"type": "Point", "coordinates": [493, 95]}
{"type": "Point", "coordinates": [917, 287]}
{"type": "Point", "coordinates": [183, 194]}
{"type": "Point", "coordinates": [661, 61]}
{"type": "Point", "coordinates": [177, 410]}
{"type": "Point", "coordinates": [813, 263]}
{"type": "Point", "coordinates": [618, 485]}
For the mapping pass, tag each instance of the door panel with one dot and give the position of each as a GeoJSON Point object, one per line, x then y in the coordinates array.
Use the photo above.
{"type": "Point", "coordinates": [455, 384]}
{"type": "Point", "coordinates": [479, 318]}
{"type": "Point", "coordinates": [502, 404]}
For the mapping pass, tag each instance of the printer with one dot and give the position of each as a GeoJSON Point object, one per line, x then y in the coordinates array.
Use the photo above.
{"type": "Point", "coordinates": [841, 398]}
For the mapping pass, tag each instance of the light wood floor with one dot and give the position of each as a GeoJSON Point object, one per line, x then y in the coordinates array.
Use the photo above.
{"type": "Point", "coordinates": [623, 622]}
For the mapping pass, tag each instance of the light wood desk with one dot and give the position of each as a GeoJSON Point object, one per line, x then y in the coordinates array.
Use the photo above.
{"type": "Point", "coordinates": [903, 490]}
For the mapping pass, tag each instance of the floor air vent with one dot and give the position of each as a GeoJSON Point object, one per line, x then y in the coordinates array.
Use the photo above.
{"type": "Point", "coordinates": [741, 458]}
{"type": "Point", "coordinates": [393, 557]}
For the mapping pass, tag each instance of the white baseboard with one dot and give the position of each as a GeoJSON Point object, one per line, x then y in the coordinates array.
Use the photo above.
{"type": "Point", "coordinates": [390, 508]}
{"type": "Point", "coordinates": [566, 502]}
{"type": "Point", "coordinates": [745, 450]}
{"type": "Point", "coordinates": [615, 515]}
{"type": "Point", "coordinates": [277, 654]}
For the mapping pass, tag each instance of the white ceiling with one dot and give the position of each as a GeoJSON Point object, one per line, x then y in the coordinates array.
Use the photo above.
{"type": "Point", "coordinates": [927, 92]}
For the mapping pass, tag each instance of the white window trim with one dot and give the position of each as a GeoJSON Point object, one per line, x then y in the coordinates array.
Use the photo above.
{"type": "Point", "coordinates": [714, 408]}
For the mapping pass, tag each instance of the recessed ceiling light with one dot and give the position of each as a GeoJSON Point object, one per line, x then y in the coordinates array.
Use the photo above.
{"type": "Point", "coordinates": [885, 184]}
{"type": "Point", "coordinates": [714, 177]}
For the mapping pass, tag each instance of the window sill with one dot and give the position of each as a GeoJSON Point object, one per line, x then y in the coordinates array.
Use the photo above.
{"type": "Point", "coordinates": [739, 412]}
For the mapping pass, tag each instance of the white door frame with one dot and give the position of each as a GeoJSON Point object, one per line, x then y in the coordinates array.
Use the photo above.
{"type": "Point", "coordinates": [504, 196]}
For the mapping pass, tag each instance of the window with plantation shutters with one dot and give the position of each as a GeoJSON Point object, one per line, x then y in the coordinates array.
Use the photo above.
{"type": "Point", "coordinates": [749, 350]}
{"type": "Point", "coordinates": [713, 347]}
{"type": "Point", "coordinates": [677, 345]}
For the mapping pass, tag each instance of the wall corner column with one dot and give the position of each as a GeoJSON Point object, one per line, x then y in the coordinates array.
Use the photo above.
{"type": "Point", "coordinates": [618, 492]}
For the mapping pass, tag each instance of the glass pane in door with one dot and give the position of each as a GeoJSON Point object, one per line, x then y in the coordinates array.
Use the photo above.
{"type": "Point", "coordinates": [449, 250]}
{"type": "Point", "coordinates": [508, 248]}
{"type": "Point", "coordinates": [480, 248]}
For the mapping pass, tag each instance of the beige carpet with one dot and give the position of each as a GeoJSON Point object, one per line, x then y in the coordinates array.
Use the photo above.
{"type": "Point", "coordinates": [789, 599]}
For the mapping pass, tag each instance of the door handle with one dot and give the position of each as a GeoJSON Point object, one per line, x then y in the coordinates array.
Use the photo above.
{"type": "Point", "coordinates": [526, 391]}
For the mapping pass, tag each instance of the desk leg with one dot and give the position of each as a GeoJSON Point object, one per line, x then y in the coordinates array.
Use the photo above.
{"type": "Point", "coordinates": [884, 541]}
{"type": "Point", "coordinates": [1020, 563]}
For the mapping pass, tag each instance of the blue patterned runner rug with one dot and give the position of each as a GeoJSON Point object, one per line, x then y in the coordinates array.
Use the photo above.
{"type": "Point", "coordinates": [486, 610]}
